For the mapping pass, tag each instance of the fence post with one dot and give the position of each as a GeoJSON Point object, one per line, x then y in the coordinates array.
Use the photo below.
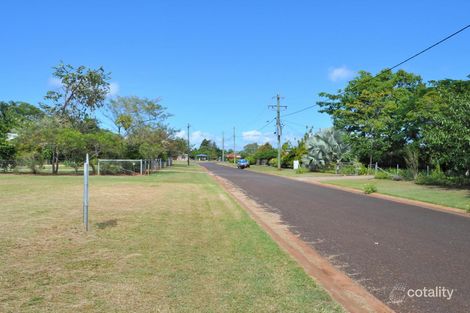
{"type": "Point", "coordinates": [376, 167]}
{"type": "Point", "coordinates": [427, 170]}
{"type": "Point", "coordinates": [98, 167]}
{"type": "Point", "coordinates": [85, 193]}
{"type": "Point", "coordinates": [398, 166]}
{"type": "Point", "coordinates": [140, 166]}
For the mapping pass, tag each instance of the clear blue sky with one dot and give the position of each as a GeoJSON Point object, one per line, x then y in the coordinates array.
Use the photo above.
{"type": "Point", "coordinates": [216, 64]}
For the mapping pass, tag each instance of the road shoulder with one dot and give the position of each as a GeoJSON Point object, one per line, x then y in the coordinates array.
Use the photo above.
{"type": "Point", "coordinates": [349, 294]}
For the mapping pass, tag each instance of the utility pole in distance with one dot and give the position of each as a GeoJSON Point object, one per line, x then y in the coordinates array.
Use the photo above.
{"type": "Point", "coordinates": [234, 154]}
{"type": "Point", "coordinates": [278, 127]}
{"type": "Point", "coordinates": [223, 148]}
{"type": "Point", "coordinates": [189, 147]}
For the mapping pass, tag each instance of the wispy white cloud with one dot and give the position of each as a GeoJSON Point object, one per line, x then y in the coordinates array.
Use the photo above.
{"type": "Point", "coordinates": [251, 136]}
{"type": "Point", "coordinates": [341, 73]}
{"type": "Point", "coordinates": [197, 136]}
{"type": "Point", "coordinates": [54, 82]}
{"type": "Point", "coordinates": [113, 89]}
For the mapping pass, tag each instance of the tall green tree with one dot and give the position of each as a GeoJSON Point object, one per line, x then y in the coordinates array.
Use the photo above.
{"type": "Point", "coordinates": [82, 90]}
{"type": "Point", "coordinates": [446, 135]}
{"type": "Point", "coordinates": [131, 113]}
{"type": "Point", "coordinates": [13, 115]}
{"type": "Point", "coordinates": [378, 113]}
{"type": "Point", "coordinates": [250, 149]}
{"type": "Point", "coordinates": [265, 152]}
{"type": "Point", "coordinates": [208, 147]}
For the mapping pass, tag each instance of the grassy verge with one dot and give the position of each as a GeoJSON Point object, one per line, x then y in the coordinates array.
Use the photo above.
{"type": "Point", "coordinates": [288, 172]}
{"type": "Point", "coordinates": [170, 242]}
{"type": "Point", "coordinates": [456, 198]}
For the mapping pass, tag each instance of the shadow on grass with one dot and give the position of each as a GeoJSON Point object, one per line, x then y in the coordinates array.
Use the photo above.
{"type": "Point", "coordinates": [106, 224]}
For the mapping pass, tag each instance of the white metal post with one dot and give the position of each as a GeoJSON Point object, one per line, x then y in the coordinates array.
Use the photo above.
{"type": "Point", "coordinates": [140, 166]}
{"type": "Point", "coordinates": [85, 192]}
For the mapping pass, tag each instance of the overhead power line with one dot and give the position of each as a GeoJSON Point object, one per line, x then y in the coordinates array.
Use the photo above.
{"type": "Point", "coordinates": [301, 110]}
{"type": "Point", "coordinates": [396, 65]}
{"type": "Point", "coordinates": [412, 57]}
{"type": "Point", "coordinates": [267, 123]}
{"type": "Point", "coordinates": [430, 47]}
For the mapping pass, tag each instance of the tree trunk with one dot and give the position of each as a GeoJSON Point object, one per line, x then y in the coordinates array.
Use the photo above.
{"type": "Point", "coordinates": [93, 168]}
{"type": "Point", "coordinates": [55, 161]}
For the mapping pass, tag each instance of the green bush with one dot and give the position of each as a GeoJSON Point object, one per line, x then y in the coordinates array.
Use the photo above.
{"type": "Point", "coordinates": [370, 188]}
{"type": "Point", "coordinates": [434, 178]}
{"type": "Point", "coordinates": [347, 170]}
{"type": "Point", "coordinates": [361, 169]}
{"type": "Point", "coordinates": [382, 175]}
{"type": "Point", "coordinates": [33, 160]}
{"type": "Point", "coordinates": [272, 162]}
{"type": "Point", "coordinates": [251, 159]}
{"type": "Point", "coordinates": [302, 170]}
{"type": "Point", "coordinates": [406, 174]}
{"type": "Point", "coordinates": [439, 178]}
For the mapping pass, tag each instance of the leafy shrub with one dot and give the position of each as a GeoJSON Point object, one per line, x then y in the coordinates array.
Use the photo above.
{"type": "Point", "coordinates": [438, 178]}
{"type": "Point", "coordinates": [382, 175]}
{"type": "Point", "coordinates": [273, 162]}
{"type": "Point", "coordinates": [370, 188]}
{"type": "Point", "coordinates": [347, 170]}
{"type": "Point", "coordinates": [33, 161]}
{"type": "Point", "coordinates": [361, 169]}
{"type": "Point", "coordinates": [302, 170]}
{"type": "Point", "coordinates": [407, 174]}
{"type": "Point", "coordinates": [251, 159]}
{"type": "Point", "coordinates": [434, 178]}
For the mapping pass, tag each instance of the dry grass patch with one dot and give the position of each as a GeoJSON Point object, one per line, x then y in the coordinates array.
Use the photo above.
{"type": "Point", "coordinates": [171, 242]}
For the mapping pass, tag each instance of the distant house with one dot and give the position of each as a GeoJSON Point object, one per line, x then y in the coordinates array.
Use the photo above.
{"type": "Point", "coordinates": [202, 157]}
{"type": "Point", "coordinates": [230, 156]}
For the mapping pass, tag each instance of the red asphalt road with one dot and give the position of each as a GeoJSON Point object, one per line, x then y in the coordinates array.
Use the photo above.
{"type": "Point", "coordinates": [394, 250]}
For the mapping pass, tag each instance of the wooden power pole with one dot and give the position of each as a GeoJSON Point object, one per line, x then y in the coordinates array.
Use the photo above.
{"type": "Point", "coordinates": [278, 107]}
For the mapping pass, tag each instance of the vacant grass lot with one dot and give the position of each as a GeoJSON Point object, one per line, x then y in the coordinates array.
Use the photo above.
{"type": "Point", "coordinates": [456, 198]}
{"type": "Point", "coordinates": [170, 242]}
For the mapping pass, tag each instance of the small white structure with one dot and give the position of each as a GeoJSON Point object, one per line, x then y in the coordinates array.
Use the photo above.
{"type": "Point", "coordinates": [296, 164]}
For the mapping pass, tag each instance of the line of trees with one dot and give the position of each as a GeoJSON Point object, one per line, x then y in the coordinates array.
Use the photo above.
{"type": "Point", "coordinates": [64, 128]}
{"type": "Point", "coordinates": [393, 118]}
{"type": "Point", "coordinates": [396, 118]}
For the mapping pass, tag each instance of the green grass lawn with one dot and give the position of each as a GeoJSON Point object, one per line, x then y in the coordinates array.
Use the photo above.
{"type": "Point", "coordinates": [169, 242]}
{"type": "Point", "coordinates": [456, 198]}
{"type": "Point", "coordinates": [283, 172]}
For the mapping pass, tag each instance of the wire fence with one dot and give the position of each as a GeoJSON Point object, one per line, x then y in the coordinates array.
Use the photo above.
{"type": "Point", "coordinates": [34, 166]}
